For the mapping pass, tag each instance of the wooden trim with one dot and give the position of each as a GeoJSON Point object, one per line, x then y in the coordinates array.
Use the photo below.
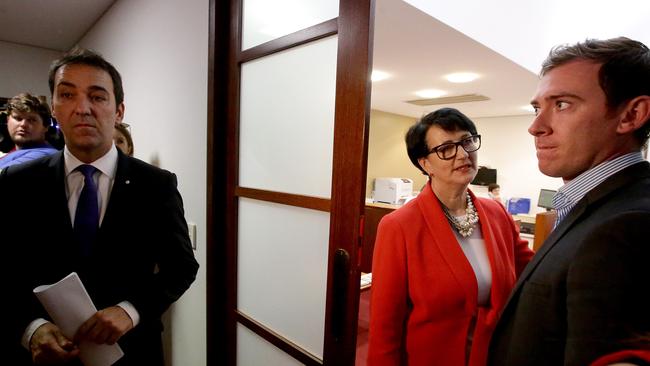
{"type": "Point", "coordinates": [279, 341]}
{"type": "Point", "coordinates": [218, 337]}
{"type": "Point", "coordinates": [351, 122]}
{"type": "Point", "coordinates": [223, 117]}
{"type": "Point", "coordinates": [314, 203]}
{"type": "Point", "coordinates": [213, 316]}
{"type": "Point", "coordinates": [303, 36]}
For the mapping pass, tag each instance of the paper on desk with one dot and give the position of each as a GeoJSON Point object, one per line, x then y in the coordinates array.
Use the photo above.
{"type": "Point", "coordinates": [69, 305]}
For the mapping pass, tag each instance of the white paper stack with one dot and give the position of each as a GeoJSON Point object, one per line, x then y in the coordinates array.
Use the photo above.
{"type": "Point", "coordinates": [69, 305]}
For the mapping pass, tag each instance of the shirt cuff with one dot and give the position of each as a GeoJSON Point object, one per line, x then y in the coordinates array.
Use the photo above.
{"type": "Point", "coordinates": [131, 311]}
{"type": "Point", "coordinates": [30, 330]}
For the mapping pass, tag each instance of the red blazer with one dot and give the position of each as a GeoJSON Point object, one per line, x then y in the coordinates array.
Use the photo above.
{"type": "Point", "coordinates": [424, 291]}
{"type": "Point", "coordinates": [623, 356]}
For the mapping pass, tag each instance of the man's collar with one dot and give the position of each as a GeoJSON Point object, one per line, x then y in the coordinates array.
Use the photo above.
{"type": "Point", "coordinates": [107, 164]}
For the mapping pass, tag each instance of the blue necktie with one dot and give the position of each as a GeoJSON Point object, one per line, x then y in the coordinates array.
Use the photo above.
{"type": "Point", "coordinates": [86, 219]}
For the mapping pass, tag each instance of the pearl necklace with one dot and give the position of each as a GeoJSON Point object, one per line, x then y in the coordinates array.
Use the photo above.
{"type": "Point", "coordinates": [465, 227]}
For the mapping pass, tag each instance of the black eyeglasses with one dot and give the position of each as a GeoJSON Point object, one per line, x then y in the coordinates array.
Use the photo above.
{"type": "Point", "coordinates": [448, 150]}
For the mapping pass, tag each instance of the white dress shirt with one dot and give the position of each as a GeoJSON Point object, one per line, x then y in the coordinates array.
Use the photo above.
{"type": "Point", "coordinates": [572, 192]}
{"type": "Point", "coordinates": [74, 181]}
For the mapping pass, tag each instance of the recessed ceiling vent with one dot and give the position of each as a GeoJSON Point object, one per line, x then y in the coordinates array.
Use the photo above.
{"type": "Point", "coordinates": [450, 100]}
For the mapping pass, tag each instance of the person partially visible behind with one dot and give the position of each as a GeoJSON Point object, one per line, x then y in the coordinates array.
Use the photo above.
{"type": "Point", "coordinates": [122, 139]}
{"type": "Point", "coordinates": [635, 352]}
{"type": "Point", "coordinates": [624, 358]}
{"type": "Point", "coordinates": [586, 290]}
{"type": "Point", "coordinates": [444, 263]}
{"type": "Point", "coordinates": [28, 124]}
{"type": "Point", "coordinates": [494, 191]}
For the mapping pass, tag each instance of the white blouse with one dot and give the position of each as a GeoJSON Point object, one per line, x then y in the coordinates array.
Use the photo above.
{"type": "Point", "coordinates": [474, 248]}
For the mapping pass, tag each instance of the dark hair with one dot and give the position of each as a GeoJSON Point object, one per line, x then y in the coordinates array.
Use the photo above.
{"type": "Point", "coordinates": [82, 56]}
{"type": "Point", "coordinates": [449, 119]}
{"type": "Point", "coordinates": [624, 73]}
{"type": "Point", "coordinates": [27, 103]}
{"type": "Point", "coordinates": [493, 186]}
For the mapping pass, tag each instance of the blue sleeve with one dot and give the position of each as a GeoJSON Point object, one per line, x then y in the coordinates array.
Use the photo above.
{"type": "Point", "coordinates": [28, 155]}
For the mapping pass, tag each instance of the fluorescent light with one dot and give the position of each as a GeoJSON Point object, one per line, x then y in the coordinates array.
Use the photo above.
{"type": "Point", "coordinates": [430, 93]}
{"type": "Point", "coordinates": [528, 108]}
{"type": "Point", "coordinates": [461, 77]}
{"type": "Point", "coordinates": [378, 75]}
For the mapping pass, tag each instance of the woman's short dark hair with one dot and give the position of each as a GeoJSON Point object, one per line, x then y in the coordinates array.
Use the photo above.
{"type": "Point", "coordinates": [624, 73]}
{"type": "Point", "coordinates": [449, 119]}
{"type": "Point", "coordinates": [82, 56]}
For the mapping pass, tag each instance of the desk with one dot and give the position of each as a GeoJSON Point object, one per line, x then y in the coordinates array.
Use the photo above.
{"type": "Point", "coordinates": [366, 281]}
{"type": "Point", "coordinates": [530, 238]}
{"type": "Point", "coordinates": [544, 222]}
{"type": "Point", "coordinates": [373, 213]}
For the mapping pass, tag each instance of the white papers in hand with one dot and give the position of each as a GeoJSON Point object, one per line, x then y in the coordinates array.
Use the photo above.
{"type": "Point", "coordinates": [69, 305]}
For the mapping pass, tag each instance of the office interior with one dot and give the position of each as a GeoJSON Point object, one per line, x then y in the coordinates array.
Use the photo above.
{"type": "Point", "coordinates": [163, 51]}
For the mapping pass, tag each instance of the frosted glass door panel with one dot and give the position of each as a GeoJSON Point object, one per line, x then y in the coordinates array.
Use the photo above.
{"type": "Point", "coordinates": [282, 270]}
{"type": "Point", "coordinates": [287, 120]}
{"type": "Point", "coordinates": [265, 20]}
{"type": "Point", "coordinates": [253, 350]}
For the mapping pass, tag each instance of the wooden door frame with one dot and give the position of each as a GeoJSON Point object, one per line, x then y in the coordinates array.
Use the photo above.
{"type": "Point", "coordinates": [220, 338]}
{"type": "Point", "coordinates": [351, 123]}
{"type": "Point", "coordinates": [354, 27]}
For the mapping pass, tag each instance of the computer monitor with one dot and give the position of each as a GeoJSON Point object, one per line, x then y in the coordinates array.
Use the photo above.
{"type": "Point", "coordinates": [485, 176]}
{"type": "Point", "coordinates": [545, 199]}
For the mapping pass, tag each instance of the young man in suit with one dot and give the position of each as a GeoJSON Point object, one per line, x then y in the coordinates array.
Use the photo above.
{"type": "Point", "coordinates": [135, 259]}
{"type": "Point", "coordinates": [586, 290]}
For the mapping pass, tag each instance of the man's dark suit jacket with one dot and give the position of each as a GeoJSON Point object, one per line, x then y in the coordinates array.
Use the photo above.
{"type": "Point", "coordinates": [142, 254]}
{"type": "Point", "coordinates": [588, 287]}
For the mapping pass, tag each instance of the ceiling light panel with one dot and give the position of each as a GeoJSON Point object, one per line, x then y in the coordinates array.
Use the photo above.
{"type": "Point", "coordinates": [461, 77]}
{"type": "Point", "coordinates": [430, 93]}
{"type": "Point", "coordinates": [378, 75]}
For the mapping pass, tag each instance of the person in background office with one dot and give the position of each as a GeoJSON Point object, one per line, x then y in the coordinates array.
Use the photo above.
{"type": "Point", "coordinates": [444, 263]}
{"type": "Point", "coordinates": [586, 290]}
{"type": "Point", "coordinates": [115, 220]}
{"type": "Point", "coordinates": [122, 138]}
{"type": "Point", "coordinates": [494, 191]}
{"type": "Point", "coordinates": [28, 126]}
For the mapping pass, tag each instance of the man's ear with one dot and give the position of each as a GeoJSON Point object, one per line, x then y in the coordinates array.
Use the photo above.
{"type": "Point", "coordinates": [120, 113]}
{"type": "Point", "coordinates": [634, 115]}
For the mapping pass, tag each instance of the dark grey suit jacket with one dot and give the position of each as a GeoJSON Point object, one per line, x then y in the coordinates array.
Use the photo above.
{"type": "Point", "coordinates": [588, 287]}
{"type": "Point", "coordinates": [142, 254]}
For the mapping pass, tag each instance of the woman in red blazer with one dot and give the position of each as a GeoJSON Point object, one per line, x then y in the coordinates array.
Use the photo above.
{"type": "Point", "coordinates": [445, 262]}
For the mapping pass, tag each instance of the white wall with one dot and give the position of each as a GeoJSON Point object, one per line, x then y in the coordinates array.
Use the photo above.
{"type": "Point", "coordinates": [24, 69]}
{"type": "Point", "coordinates": [387, 156]}
{"type": "Point", "coordinates": [161, 50]}
{"type": "Point", "coordinates": [524, 31]}
{"type": "Point", "coordinates": [507, 146]}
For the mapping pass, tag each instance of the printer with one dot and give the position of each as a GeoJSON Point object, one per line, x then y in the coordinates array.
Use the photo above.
{"type": "Point", "coordinates": [393, 190]}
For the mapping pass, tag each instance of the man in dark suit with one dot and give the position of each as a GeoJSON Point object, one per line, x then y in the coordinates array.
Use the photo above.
{"type": "Point", "coordinates": [135, 260]}
{"type": "Point", "coordinates": [585, 293]}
